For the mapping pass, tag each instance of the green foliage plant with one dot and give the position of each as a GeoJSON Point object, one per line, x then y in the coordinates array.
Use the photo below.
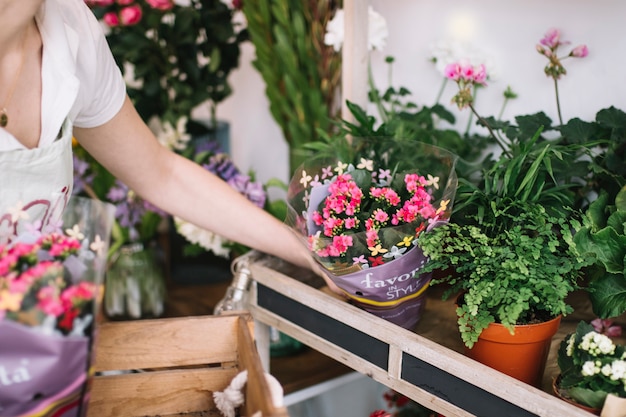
{"type": "Point", "coordinates": [515, 265]}
{"type": "Point", "coordinates": [604, 234]}
{"type": "Point", "coordinates": [300, 72]}
{"type": "Point", "coordinates": [174, 58]}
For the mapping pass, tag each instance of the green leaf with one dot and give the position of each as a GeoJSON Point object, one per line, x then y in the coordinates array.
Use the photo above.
{"type": "Point", "coordinates": [608, 246]}
{"type": "Point", "coordinates": [590, 398]}
{"type": "Point", "coordinates": [578, 131]}
{"type": "Point", "coordinates": [608, 295]}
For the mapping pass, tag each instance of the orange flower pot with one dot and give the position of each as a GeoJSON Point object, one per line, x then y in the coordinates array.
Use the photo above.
{"type": "Point", "coordinates": [521, 355]}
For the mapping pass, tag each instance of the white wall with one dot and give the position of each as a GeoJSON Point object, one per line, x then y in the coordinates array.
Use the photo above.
{"type": "Point", "coordinates": [507, 30]}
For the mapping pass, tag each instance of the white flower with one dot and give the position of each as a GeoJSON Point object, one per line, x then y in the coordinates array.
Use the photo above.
{"type": "Point", "coordinates": [305, 179]}
{"type": "Point", "coordinates": [596, 343]}
{"type": "Point", "coordinates": [97, 245]}
{"type": "Point", "coordinates": [17, 212]}
{"type": "Point", "coordinates": [395, 252]}
{"type": "Point", "coordinates": [208, 240]}
{"type": "Point", "coordinates": [618, 370]}
{"type": "Point", "coordinates": [185, 3]}
{"type": "Point", "coordinates": [570, 345]}
{"type": "Point", "coordinates": [75, 233]}
{"type": "Point", "coordinates": [168, 136]}
{"type": "Point", "coordinates": [589, 368]}
{"type": "Point", "coordinates": [377, 30]}
{"type": "Point", "coordinates": [366, 164]}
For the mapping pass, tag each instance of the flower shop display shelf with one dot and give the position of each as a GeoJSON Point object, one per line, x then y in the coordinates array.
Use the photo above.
{"type": "Point", "coordinates": [176, 364]}
{"type": "Point", "coordinates": [422, 368]}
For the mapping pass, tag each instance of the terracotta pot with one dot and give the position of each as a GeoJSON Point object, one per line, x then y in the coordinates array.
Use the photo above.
{"type": "Point", "coordinates": [521, 355]}
{"type": "Point", "coordinates": [563, 396]}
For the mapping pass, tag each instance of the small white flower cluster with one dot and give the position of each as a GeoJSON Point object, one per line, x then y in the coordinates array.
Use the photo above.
{"type": "Point", "coordinates": [208, 240]}
{"type": "Point", "coordinates": [615, 370]}
{"type": "Point", "coordinates": [597, 344]}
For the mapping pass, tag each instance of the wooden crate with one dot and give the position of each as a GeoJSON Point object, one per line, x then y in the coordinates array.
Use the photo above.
{"type": "Point", "coordinates": [182, 362]}
{"type": "Point", "coordinates": [440, 378]}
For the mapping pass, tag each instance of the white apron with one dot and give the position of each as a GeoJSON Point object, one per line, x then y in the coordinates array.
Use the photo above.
{"type": "Point", "coordinates": [35, 184]}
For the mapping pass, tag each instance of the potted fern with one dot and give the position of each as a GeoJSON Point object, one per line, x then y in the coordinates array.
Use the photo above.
{"type": "Point", "coordinates": [513, 262]}
{"type": "Point", "coordinates": [510, 253]}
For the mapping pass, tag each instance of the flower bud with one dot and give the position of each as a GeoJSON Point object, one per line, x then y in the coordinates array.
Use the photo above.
{"type": "Point", "coordinates": [580, 51]}
{"type": "Point", "coordinates": [130, 15]}
{"type": "Point", "coordinates": [111, 19]}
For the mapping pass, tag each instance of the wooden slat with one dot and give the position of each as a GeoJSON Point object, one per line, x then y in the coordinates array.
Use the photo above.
{"type": "Point", "coordinates": [257, 394]}
{"type": "Point", "coordinates": [142, 344]}
{"type": "Point", "coordinates": [288, 310]}
{"type": "Point", "coordinates": [158, 392]}
{"type": "Point", "coordinates": [172, 356]}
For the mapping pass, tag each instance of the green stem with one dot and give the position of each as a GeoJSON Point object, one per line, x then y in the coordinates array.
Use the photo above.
{"type": "Point", "coordinates": [440, 93]}
{"type": "Point", "coordinates": [381, 109]}
{"type": "Point", "coordinates": [491, 132]}
{"type": "Point", "coordinates": [504, 103]}
{"type": "Point", "coordinates": [558, 102]}
{"type": "Point", "coordinates": [471, 118]}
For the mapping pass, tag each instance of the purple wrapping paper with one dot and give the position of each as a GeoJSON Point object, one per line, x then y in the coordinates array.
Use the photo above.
{"type": "Point", "coordinates": [36, 369]}
{"type": "Point", "coordinates": [44, 373]}
{"type": "Point", "coordinates": [393, 291]}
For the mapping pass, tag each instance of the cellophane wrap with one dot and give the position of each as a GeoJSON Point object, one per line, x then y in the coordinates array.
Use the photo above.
{"type": "Point", "coordinates": [386, 282]}
{"type": "Point", "coordinates": [46, 342]}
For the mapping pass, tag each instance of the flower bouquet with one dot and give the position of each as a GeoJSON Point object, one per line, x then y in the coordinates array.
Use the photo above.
{"type": "Point", "coordinates": [50, 283]}
{"type": "Point", "coordinates": [592, 367]}
{"type": "Point", "coordinates": [360, 214]}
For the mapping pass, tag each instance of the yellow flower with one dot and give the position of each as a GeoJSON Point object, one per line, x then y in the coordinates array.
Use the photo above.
{"type": "Point", "coordinates": [443, 206]}
{"type": "Point", "coordinates": [376, 250]}
{"type": "Point", "coordinates": [10, 301]}
{"type": "Point", "coordinates": [406, 241]}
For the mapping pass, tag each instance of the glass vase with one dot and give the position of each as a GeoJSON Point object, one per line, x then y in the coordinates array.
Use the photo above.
{"type": "Point", "coordinates": [135, 283]}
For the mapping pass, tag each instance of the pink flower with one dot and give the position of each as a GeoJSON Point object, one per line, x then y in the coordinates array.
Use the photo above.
{"type": "Point", "coordinates": [130, 15]}
{"type": "Point", "coordinates": [111, 19]}
{"type": "Point", "coordinates": [480, 75]}
{"type": "Point", "coordinates": [452, 71]}
{"type": "Point", "coordinates": [161, 4]}
{"type": "Point", "coordinates": [580, 51]}
{"type": "Point", "coordinates": [551, 39]}
{"type": "Point", "coordinates": [606, 327]}
{"type": "Point", "coordinates": [49, 302]}
{"type": "Point", "coordinates": [467, 73]}
{"type": "Point", "coordinates": [380, 216]}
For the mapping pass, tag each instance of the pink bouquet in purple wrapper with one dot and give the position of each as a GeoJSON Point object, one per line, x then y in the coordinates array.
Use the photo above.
{"type": "Point", "coordinates": [50, 283]}
{"type": "Point", "coordinates": [361, 214]}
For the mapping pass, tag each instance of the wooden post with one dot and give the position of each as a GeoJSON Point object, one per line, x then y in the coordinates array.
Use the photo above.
{"type": "Point", "coordinates": [354, 55]}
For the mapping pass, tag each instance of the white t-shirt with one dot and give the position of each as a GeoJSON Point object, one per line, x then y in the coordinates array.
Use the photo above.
{"type": "Point", "coordinates": [80, 79]}
{"type": "Point", "coordinates": [81, 86]}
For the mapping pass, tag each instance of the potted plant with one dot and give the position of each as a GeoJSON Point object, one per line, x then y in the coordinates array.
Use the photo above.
{"type": "Point", "coordinates": [593, 367]}
{"type": "Point", "coordinates": [511, 255]}
{"type": "Point", "coordinates": [513, 267]}
{"type": "Point", "coordinates": [175, 57]}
